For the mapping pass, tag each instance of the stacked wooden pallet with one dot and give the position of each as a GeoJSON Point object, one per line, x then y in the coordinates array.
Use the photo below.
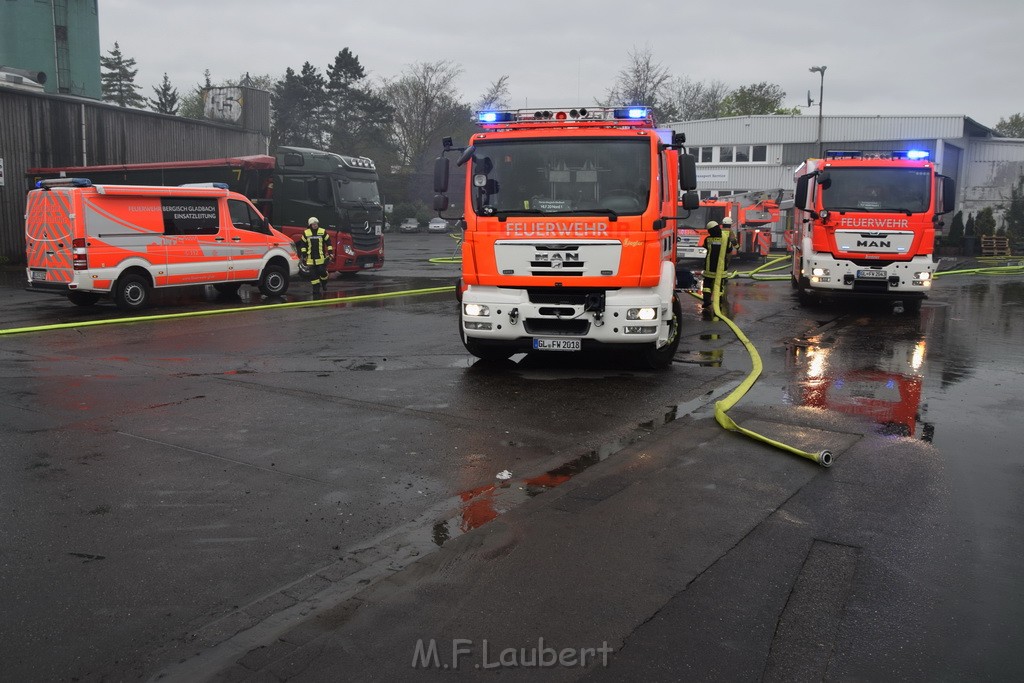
{"type": "Point", "coordinates": [995, 246]}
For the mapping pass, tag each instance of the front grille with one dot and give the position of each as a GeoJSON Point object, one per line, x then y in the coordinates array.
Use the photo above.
{"type": "Point", "coordinates": [553, 326]}
{"type": "Point", "coordinates": [364, 242]}
{"type": "Point", "coordinates": [561, 296]}
{"type": "Point", "coordinates": [872, 263]}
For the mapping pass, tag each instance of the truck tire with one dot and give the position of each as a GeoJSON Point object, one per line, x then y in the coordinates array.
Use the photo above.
{"type": "Point", "coordinates": [488, 353]}
{"type": "Point", "coordinates": [273, 280]}
{"type": "Point", "coordinates": [83, 298]}
{"type": "Point", "coordinates": [659, 358]}
{"type": "Point", "coordinates": [132, 292]}
{"type": "Point", "coordinates": [804, 294]}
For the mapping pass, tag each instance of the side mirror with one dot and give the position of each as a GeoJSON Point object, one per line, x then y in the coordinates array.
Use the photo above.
{"type": "Point", "coordinates": [441, 174]}
{"type": "Point", "coordinates": [800, 196]}
{"type": "Point", "coordinates": [948, 189]}
{"type": "Point", "coordinates": [691, 200]}
{"type": "Point", "coordinates": [440, 202]}
{"type": "Point", "coordinates": [824, 180]}
{"type": "Point", "coordinates": [466, 156]}
{"type": "Point", "coordinates": [687, 172]}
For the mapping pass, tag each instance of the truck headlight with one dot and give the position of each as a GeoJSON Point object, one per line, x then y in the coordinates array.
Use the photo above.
{"type": "Point", "coordinates": [922, 276]}
{"type": "Point", "coordinates": [818, 272]}
{"type": "Point", "coordinates": [475, 310]}
{"type": "Point", "coordinates": [349, 251]}
{"type": "Point", "coordinates": [645, 313]}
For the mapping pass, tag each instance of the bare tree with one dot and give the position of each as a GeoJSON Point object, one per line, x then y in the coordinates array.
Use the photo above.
{"type": "Point", "coordinates": [644, 81]}
{"type": "Point", "coordinates": [695, 100]}
{"type": "Point", "coordinates": [496, 96]}
{"type": "Point", "coordinates": [426, 108]}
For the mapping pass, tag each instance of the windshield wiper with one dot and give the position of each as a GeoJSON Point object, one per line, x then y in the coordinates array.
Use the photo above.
{"type": "Point", "coordinates": [502, 214]}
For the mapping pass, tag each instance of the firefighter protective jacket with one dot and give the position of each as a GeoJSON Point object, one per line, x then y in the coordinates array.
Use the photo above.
{"type": "Point", "coordinates": [316, 247]}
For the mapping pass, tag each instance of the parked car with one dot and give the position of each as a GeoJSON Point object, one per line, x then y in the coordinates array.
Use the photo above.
{"type": "Point", "coordinates": [409, 225]}
{"type": "Point", "coordinates": [437, 225]}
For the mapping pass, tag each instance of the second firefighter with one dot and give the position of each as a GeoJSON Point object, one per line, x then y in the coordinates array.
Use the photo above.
{"type": "Point", "coordinates": [316, 251]}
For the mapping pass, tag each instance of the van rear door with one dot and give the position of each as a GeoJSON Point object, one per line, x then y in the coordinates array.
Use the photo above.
{"type": "Point", "coordinates": [49, 235]}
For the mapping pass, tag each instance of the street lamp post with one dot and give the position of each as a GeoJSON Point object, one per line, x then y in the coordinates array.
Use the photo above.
{"type": "Point", "coordinates": [821, 94]}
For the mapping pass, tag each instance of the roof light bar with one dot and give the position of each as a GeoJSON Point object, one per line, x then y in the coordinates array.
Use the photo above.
{"type": "Point", "coordinates": [597, 114]}
{"type": "Point", "coordinates": [64, 182]}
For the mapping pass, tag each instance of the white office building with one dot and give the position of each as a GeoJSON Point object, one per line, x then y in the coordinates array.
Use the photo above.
{"type": "Point", "coordinates": [761, 153]}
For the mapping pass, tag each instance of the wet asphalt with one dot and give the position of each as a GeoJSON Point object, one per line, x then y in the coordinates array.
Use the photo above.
{"type": "Point", "coordinates": [171, 512]}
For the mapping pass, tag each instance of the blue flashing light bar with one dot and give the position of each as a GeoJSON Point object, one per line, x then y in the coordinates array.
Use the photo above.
{"type": "Point", "coordinates": [917, 154]}
{"type": "Point", "coordinates": [592, 115]}
{"type": "Point", "coordinates": [495, 116]}
{"type": "Point", "coordinates": [635, 113]}
{"type": "Point", "coordinates": [64, 182]}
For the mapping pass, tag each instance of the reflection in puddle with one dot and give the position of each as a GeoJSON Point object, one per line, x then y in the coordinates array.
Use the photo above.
{"type": "Point", "coordinates": [882, 384]}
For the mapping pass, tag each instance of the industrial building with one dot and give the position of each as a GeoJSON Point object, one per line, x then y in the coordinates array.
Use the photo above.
{"type": "Point", "coordinates": [55, 45]}
{"type": "Point", "coordinates": [761, 153]}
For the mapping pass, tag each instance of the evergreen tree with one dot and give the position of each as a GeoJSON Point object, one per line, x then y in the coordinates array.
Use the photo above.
{"type": "Point", "coordinates": [956, 230]}
{"type": "Point", "coordinates": [985, 223]}
{"type": "Point", "coordinates": [166, 101]}
{"type": "Point", "coordinates": [358, 118]}
{"type": "Point", "coordinates": [117, 80]}
{"type": "Point", "coordinates": [969, 228]}
{"type": "Point", "coordinates": [192, 105]}
{"type": "Point", "coordinates": [1014, 216]}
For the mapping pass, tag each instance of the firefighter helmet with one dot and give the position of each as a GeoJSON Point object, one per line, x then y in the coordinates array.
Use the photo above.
{"type": "Point", "coordinates": [313, 220]}
{"type": "Point", "coordinates": [727, 221]}
{"type": "Point", "coordinates": [711, 224]}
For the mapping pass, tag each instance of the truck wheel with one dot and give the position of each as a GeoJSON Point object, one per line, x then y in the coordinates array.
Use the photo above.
{"type": "Point", "coordinates": [131, 292]}
{"type": "Point", "coordinates": [660, 358]}
{"type": "Point", "coordinates": [804, 294]}
{"type": "Point", "coordinates": [490, 353]}
{"type": "Point", "coordinates": [273, 280]}
{"type": "Point", "coordinates": [83, 298]}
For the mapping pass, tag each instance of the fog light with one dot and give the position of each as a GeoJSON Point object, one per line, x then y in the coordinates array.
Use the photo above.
{"type": "Point", "coordinates": [475, 310]}
{"type": "Point", "coordinates": [470, 325]}
{"type": "Point", "coordinates": [640, 329]}
{"type": "Point", "coordinates": [645, 313]}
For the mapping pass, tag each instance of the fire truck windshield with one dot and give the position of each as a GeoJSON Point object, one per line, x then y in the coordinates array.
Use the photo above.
{"type": "Point", "coordinates": [577, 176]}
{"type": "Point", "coordinates": [358, 190]}
{"type": "Point", "coordinates": [893, 190]}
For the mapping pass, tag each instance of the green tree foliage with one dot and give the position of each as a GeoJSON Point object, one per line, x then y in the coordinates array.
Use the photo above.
{"type": "Point", "coordinates": [117, 79]}
{"type": "Point", "coordinates": [985, 223]}
{"type": "Point", "coordinates": [300, 114]}
{"type": "Point", "coordinates": [1012, 127]}
{"type": "Point", "coordinates": [1014, 216]}
{"type": "Point", "coordinates": [359, 119]}
{"type": "Point", "coordinates": [166, 101]}
{"type": "Point", "coordinates": [192, 103]}
{"type": "Point", "coordinates": [970, 230]}
{"type": "Point", "coordinates": [754, 99]}
{"type": "Point", "coordinates": [647, 82]}
{"type": "Point", "coordinates": [956, 230]}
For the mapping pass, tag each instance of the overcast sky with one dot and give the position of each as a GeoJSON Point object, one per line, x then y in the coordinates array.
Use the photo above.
{"type": "Point", "coordinates": [886, 57]}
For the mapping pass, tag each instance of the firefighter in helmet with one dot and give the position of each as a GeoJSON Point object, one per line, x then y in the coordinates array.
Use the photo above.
{"type": "Point", "coordinates": [316, 251]}
{"type": "Point", "coordinates": [714, 243]}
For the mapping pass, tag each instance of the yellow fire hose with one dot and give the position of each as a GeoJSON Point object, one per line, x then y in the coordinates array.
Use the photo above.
{"type": "Point", "coordinates": [223, 311]}
{"type": "Point", "coordinates": [824, 458]}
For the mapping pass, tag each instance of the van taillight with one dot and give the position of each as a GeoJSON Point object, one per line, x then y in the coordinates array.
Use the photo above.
{"type": "Point", "coordinates": [79, 258]}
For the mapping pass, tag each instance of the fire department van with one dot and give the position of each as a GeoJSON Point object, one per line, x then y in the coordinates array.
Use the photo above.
{"type": "Point", "coordinates": [86, 241]}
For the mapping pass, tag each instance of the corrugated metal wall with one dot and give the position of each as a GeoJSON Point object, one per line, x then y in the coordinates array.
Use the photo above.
{"type": "Point", "coordinates": [46, 130]}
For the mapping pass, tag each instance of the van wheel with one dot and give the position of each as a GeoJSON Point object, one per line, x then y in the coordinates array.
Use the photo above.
{"type": "Point", "coordinates": [132, 292]}
{"type": "Point", "coordinates": [660, 358]}
{"type": "Point", "coordinates": [83, 298]}
{"type": "Point", "coordinates": [273, 280]}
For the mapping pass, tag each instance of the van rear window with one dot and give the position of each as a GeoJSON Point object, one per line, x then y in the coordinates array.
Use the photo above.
{"type": "Point", "coordinates": [190, 216]}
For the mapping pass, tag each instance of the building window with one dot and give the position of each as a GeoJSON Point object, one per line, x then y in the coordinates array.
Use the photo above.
{"type": "Point", "coordinates": [741, 154]}
{"type": "Point", "coordinates": [725, 155]}
{"type": "Point", "coordinates": [759, 153]}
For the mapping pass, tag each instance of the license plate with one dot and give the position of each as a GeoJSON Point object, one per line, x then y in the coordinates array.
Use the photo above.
{"type": "Point", "coordinates": [556, 344]}
{"type": "Point", "coordinates": [872, 274]}
{"type": "Point", "coordinates": [38, 275]}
